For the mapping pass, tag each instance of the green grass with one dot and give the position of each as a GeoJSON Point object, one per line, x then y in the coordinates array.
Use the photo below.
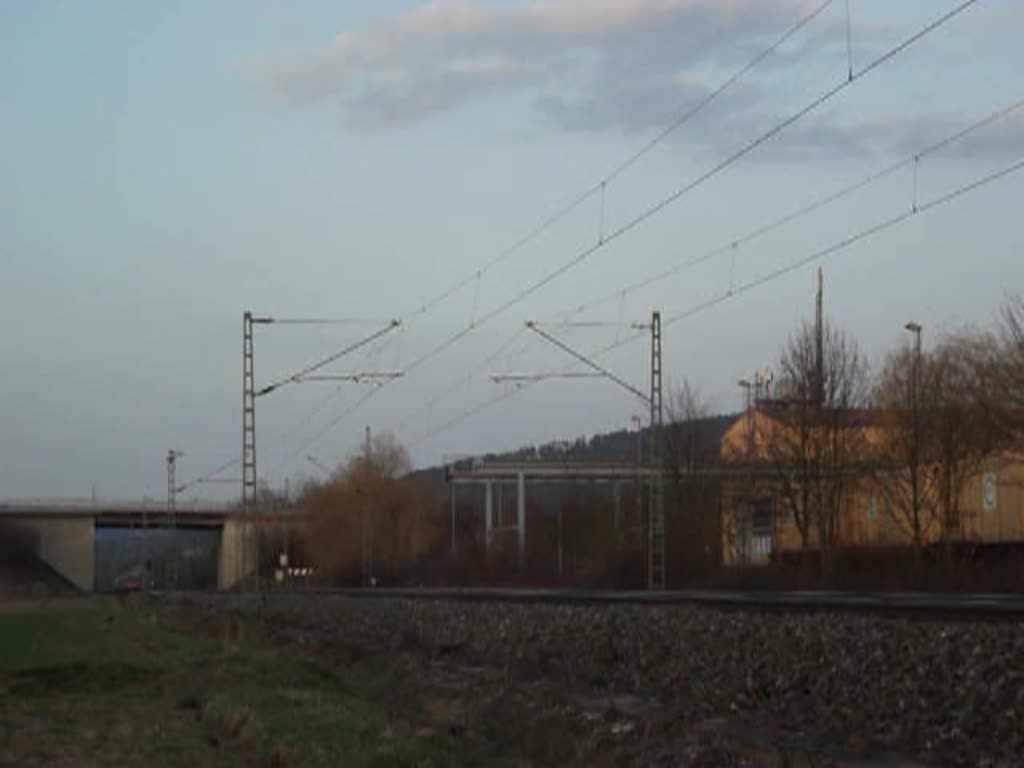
{"type": "Point", "coordinates": [106, 683]}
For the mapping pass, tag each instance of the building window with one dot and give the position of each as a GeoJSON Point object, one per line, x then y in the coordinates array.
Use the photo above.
{"type": "Point", "coordinates": [755, 530]}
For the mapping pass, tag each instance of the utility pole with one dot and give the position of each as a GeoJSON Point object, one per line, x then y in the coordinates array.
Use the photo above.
{"type": "Point", "coordinates": [248, 444]}
{"type": "Point", "coordinates": [819, 346]}
{"type": "Point", "coordinates": [250, 532]}
{"type": "Point", "coordinates": [367, 532]}
{"type": "Point", "coordinates": [656, 497]}
{"type": "Point", "coordinates": [172, 491]}
{"type": "Point", "coordinates": [746, 386]}
{"type": "Point", "coordinates": [656, 504]}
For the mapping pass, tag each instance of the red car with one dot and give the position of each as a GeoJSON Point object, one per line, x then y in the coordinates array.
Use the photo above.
{"type": "Point", "coordinates": [130, 581]}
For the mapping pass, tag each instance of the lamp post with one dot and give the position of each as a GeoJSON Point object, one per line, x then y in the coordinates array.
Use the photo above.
{"type": "Point", "coordinates": [747, 387]}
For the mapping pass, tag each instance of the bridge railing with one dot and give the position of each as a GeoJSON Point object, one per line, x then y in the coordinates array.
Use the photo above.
{"type": "Point", "coordinates": [85, 505]}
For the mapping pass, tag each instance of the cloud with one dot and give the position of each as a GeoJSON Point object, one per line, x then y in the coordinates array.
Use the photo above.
{"type": "Point", "coordinates": [443, 55]}
{"type": "Point", "coordinates": [630, 66]}
{"type": "Point", "coordinates": [826, 138]}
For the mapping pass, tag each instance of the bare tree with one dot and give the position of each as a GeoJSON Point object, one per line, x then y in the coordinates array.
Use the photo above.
{"type": "Point", "coordinates": [934, 439]}
{"type": "Point", "coordinates": [814, 433]}
{"type": "Point", "coordinates": [686, 437]}
{"type": "Point", "coordinates": [691, 446]}
{"type": "Point", "coordinates": [1008, 374]}
{"type": "Point", "coordinates": [369, 500]}
{"type": "Point", "coordinates": [899, 452]}
{"type": "Point", "coordinates": [961, 435]}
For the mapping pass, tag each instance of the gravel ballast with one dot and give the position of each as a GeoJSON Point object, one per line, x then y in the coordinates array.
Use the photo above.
{"type": "Point", "coordinates": [842, 686]}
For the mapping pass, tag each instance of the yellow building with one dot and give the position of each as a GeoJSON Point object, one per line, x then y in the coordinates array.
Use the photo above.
{"type": "Point", "coordinates": [758, 522]}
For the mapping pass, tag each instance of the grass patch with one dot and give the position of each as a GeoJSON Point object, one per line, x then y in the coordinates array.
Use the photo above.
{"type": "Point", "coordinates": [114, 683]}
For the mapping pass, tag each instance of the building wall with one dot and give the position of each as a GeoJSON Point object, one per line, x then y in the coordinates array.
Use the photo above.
{"type": "Point", "coordinates": [867, 520]}
{"type": "Point", "coordinates": [1003, 520]}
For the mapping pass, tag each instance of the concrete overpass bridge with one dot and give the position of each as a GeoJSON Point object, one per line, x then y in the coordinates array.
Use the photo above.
{"type": "Point", "coordinates": [89, 542]}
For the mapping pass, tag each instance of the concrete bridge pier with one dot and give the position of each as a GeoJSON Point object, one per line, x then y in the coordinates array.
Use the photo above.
{"type": "Point", "coordinates": [491, 525]}
{"type": "Point", "coordinates": [233, 568]}
{"type": "Point", "coordinates": [65, 543]}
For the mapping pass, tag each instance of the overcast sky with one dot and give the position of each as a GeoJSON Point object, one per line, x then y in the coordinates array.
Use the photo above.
{"type": "Point", "coordinates": [166, 166]}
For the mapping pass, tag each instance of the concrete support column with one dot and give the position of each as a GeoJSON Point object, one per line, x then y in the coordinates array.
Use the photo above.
{"type": "Point", "coordinates": [521, 517]}
{"type": "Point", "coordinates": [488, 514]}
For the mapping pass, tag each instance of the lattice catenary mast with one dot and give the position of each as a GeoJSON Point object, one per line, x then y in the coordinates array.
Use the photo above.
{"type": "Point", "coordinates": [656, 504]}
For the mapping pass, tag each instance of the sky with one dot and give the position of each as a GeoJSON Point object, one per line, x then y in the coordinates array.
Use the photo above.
{"type": "Point", "coordinates": [165, 167]}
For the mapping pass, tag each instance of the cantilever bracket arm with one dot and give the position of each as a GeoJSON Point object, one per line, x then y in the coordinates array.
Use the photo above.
{"type": "Point", "coordinates": [587, 361]}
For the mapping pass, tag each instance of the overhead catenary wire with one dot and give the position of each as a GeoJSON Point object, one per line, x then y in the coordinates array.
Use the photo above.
{"type": "Point", "coordinates": [622, 166]}
{"type": "Point", "coordinates": [601, 187]}
{"type": "Point", "coordinates": [717, 92]}
{"type": "Point", "coordinates": [475, 371]}
{"type": "Point", "coordinates": [358, 378]}
{"type": "Point", "coordinates": [210, 475]}
{"type": "Point", "coordinates": [500, 378]}
{"type": "Point", "coordinates": [588, 362]}
{"type": "Point", "coordinates": [663, 203]}
{"type": "Point", "coordinates": [703, 178]}
{"type": "Point", "coordinates": [744, 288]}
{"type": "Point", "coordinates": [305, 445]}
{"type": "Point", "coordinates": [303, 372]}
{"type": "Point", "coordinates": [817, 204]}
{"type": "Point", "coordinates": [851, 240]}
{"type": "Point", "coordinates": [326, 321]}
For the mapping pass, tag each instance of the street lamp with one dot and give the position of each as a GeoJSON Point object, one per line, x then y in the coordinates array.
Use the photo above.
{"type": "Point", "coordinates": [747, 386]}
{"type": "Point", "coordinates": [915, 328]}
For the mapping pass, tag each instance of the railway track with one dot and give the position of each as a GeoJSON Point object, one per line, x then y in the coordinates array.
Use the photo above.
{"type": "Point", "coordinates": [920, 603]}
